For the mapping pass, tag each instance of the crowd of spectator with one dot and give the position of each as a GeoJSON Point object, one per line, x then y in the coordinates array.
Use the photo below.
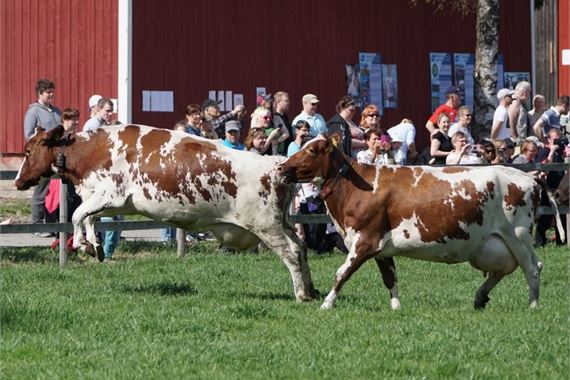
{"type": "Point", "coordinates": [517, 135]}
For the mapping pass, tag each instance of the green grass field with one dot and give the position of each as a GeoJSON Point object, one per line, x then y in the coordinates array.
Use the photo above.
{"type": "Point", "coordinates": [150, 315]}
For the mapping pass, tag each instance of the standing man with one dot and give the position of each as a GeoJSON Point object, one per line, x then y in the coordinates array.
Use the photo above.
{"type": "Point", "coordinates": [102, 115]}
{"type": "Point", "coordinates": [310, 115]}
{"type": "Point", "coordinates": [518, 114]}
{"type": "Point", "coordinates": [551, 117]}
{"type": "Point", "coordinates": [450, 107]}
{"type": "Point", "coordinates": [501, 128]}
{"type": "Point", "coordinates": [281, 121]}
{"type": "Point", "coordinates": [538, 104]}
{"type": "Point", "coordinates": [43, 114]}
{"type": "Point", "coordinates": [212, 114]}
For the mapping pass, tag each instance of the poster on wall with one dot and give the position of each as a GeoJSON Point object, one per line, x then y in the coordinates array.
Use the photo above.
{"type": "Point", "coordinates": [500, 72]}
{"type": "Point", "coordinates": [440, 74]}
{"type": "Point", "coordinates": [463, 68]}
{"type": "Point", "coordinates": [390, 86]}
{"type": "Point", "coordinates": [513, 77]}
{"type": "Point", "coordinates": [352, 82]}
{"type": "Point", "coordinates": [370, 75]}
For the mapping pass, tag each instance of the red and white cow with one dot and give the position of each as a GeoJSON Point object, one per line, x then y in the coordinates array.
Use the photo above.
{"type": "Point", "coordinates": [172, 177]}
{"type": "Point", "coordinates": [446, 214]}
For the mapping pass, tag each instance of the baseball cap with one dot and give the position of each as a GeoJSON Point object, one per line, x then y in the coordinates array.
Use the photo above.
{"type": "Point", "coordinates": [310, 98]}
{"type": "Point", "coordinates": [453, 90]}
{"type": "Point", "coordinates": [504, 92]}
{"type": "Point", "coordinates": [233, 125]}
{"type": "Point", "coordinates": [261, 98]}
{"type": "Point", "coordinates": [209, 102]}
{"type": "Point", "coordinates": [93, 100]}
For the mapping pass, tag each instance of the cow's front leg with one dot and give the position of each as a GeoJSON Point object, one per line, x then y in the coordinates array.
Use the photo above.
{"type": "Point", "coordinates": [353, 261]}
{"type": "Point", "coordinates": [388, 271]}
{"type": "Point", "coordinates": [293, 253]}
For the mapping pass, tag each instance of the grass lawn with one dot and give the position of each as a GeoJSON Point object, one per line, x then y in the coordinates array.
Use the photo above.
{"type": "Point", "coordinates": [150, 315]}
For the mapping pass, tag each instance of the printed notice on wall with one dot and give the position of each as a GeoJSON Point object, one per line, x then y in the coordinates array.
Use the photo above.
{"type": "Point", "coordinates": [464, 66]}
{"type": "Point", "coordinates": [158, 101]}
{"type": "Point", "coordinates": [370, 76]}
{"type": "Point", "coordinates": [238, 100]}
{"type": "Point", "coordinates": [440, 74]}
{"type": "Point", "coordinates": [222, 100]}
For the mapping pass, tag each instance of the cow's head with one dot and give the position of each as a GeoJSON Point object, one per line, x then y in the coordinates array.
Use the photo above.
{"type": "Point", "coordinates": [39, 157]}
{"type": "Point", "coordinates": [319, 158]}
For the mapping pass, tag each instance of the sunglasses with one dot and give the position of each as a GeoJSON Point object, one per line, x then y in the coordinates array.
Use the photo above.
{"type": "Point", "coordinates": [373, 115]}
{"type": "Point", "coordinates": [266, 117]}
{"type": "Point", "coordinates": [467, 115]}
{"type": "Point", "coordinates": [314, 104]}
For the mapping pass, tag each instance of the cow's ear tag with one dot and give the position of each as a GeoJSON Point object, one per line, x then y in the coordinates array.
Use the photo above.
{"type": "Point", "coordinates": [335, 142]}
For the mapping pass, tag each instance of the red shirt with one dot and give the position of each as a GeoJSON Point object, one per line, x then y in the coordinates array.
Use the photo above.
{"type": "Point", "coordinates": [450, 111]}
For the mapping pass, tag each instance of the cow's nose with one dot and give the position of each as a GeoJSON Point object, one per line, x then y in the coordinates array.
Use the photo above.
{"type": "Point", "coordinates": [280, 169]}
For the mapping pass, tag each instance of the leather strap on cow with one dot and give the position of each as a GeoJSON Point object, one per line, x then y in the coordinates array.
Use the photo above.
{"type": "Point", "coordinates": [328, 188]}
{"type": "Point", "coordinates": [60, 158]}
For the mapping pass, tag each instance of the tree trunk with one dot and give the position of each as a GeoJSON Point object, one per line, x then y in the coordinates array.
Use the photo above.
{"type": "Point", "coordinates": [486, 58]}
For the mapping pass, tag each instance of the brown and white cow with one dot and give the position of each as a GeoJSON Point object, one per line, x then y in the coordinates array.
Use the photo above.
{"type": "Point", "coordinates": [172, 177]}
{"type": "Point", "coordinates": [445, 214]}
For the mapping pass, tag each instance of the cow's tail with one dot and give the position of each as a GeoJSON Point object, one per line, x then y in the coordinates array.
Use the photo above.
{"type": "Point", "coordinates": [552, 201]}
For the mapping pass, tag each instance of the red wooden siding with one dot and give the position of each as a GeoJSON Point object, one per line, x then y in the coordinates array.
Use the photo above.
{"type": "Point", "coordinates": [563, 43]}
{"type": "Point", "coordinates": [193, 47]}
{"type": "Point", "coordinates": [300, 47]}
{"type": "Point", "coordinates": [72, 42]}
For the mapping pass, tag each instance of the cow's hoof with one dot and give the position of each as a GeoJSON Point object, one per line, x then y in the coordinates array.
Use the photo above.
{"type": "Point", "coordinates": [395, 304]}
{"type": "Point", "coordinates": [99, 253]}
{"type": "Point", "coordinates": [327, 305]}
{"type": "Point", "coordinates": [88, 248]}
{"type": "Point", "coordinates": [481, 302]}
{"type": "Point", "coordinates": [533, 305]}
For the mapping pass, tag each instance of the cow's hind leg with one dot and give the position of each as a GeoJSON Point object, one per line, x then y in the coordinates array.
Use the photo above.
{"type": "Point", "coordinates": [521, 246]}
{"type": "Point", "coordinates": [482, 294]}
{"type": "Point", "coordinates": [388, 271]}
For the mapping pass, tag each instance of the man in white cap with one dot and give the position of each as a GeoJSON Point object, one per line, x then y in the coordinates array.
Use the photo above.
{"type": "Point", "coordinates": [501, 128]}
{"type": "Point", "coordinates": [310, 115]}
{"type": "Point", "coordinates": [93, 100]}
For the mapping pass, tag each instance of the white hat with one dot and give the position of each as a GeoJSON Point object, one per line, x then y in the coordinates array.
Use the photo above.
{"type": "Point", "coordinates": [310, 98]}
{"type": "Point", "coordinates": [504, 92]}
{"type": "Point", "coordinates": [93, 100]}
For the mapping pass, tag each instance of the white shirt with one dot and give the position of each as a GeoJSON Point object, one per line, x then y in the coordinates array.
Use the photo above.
{"type": "Point", "coordinates": [404, 132]}
{"type": "Point", "coordinates": [501, 116]}
{"type": "Point", "coordinates": [316, 121]}
{"type": "Point", "coordinates": [458, 128]}
{"type": "Point", "coordinates": [92, 124]}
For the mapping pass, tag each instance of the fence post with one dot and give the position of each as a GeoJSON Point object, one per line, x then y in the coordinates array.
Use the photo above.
{"type": "Point", "coordinates": [62, 219]}
{"type": "Point", "coordinates": [180, 242]}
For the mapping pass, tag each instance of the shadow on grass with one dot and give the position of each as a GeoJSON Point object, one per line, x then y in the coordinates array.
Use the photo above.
{"type": "Point", "coordinates": [18, 255]}
{"type": "Point", "coordinates": [161, 288]}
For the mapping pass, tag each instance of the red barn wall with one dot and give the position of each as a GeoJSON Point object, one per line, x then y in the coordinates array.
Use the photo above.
{"type": "Point", "coordinates": [301, 47]}
{"type": "Point", "coordinates": [563, 43]}
{"type": "Point", "coordinates": [72, 42]}
{"type": "Point", "coordinates": [193, 47]}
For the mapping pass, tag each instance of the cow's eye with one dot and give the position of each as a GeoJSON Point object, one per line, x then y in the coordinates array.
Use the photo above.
{"type": "Point", "coordinates": [28, 152]}
{"type": "Point", "coordinates": [311, 151]}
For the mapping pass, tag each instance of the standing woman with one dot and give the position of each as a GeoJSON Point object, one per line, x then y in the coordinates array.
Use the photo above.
{"type": "Point", "coordinates": [352, 136]}
{"type": "Point", "coordinates": [441, 145]}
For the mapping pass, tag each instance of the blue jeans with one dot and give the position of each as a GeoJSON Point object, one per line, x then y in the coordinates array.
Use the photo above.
{"type": "Point", "coordinates": [110, 238]}
{"type": "Point", "coordinates": [168, 235]}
